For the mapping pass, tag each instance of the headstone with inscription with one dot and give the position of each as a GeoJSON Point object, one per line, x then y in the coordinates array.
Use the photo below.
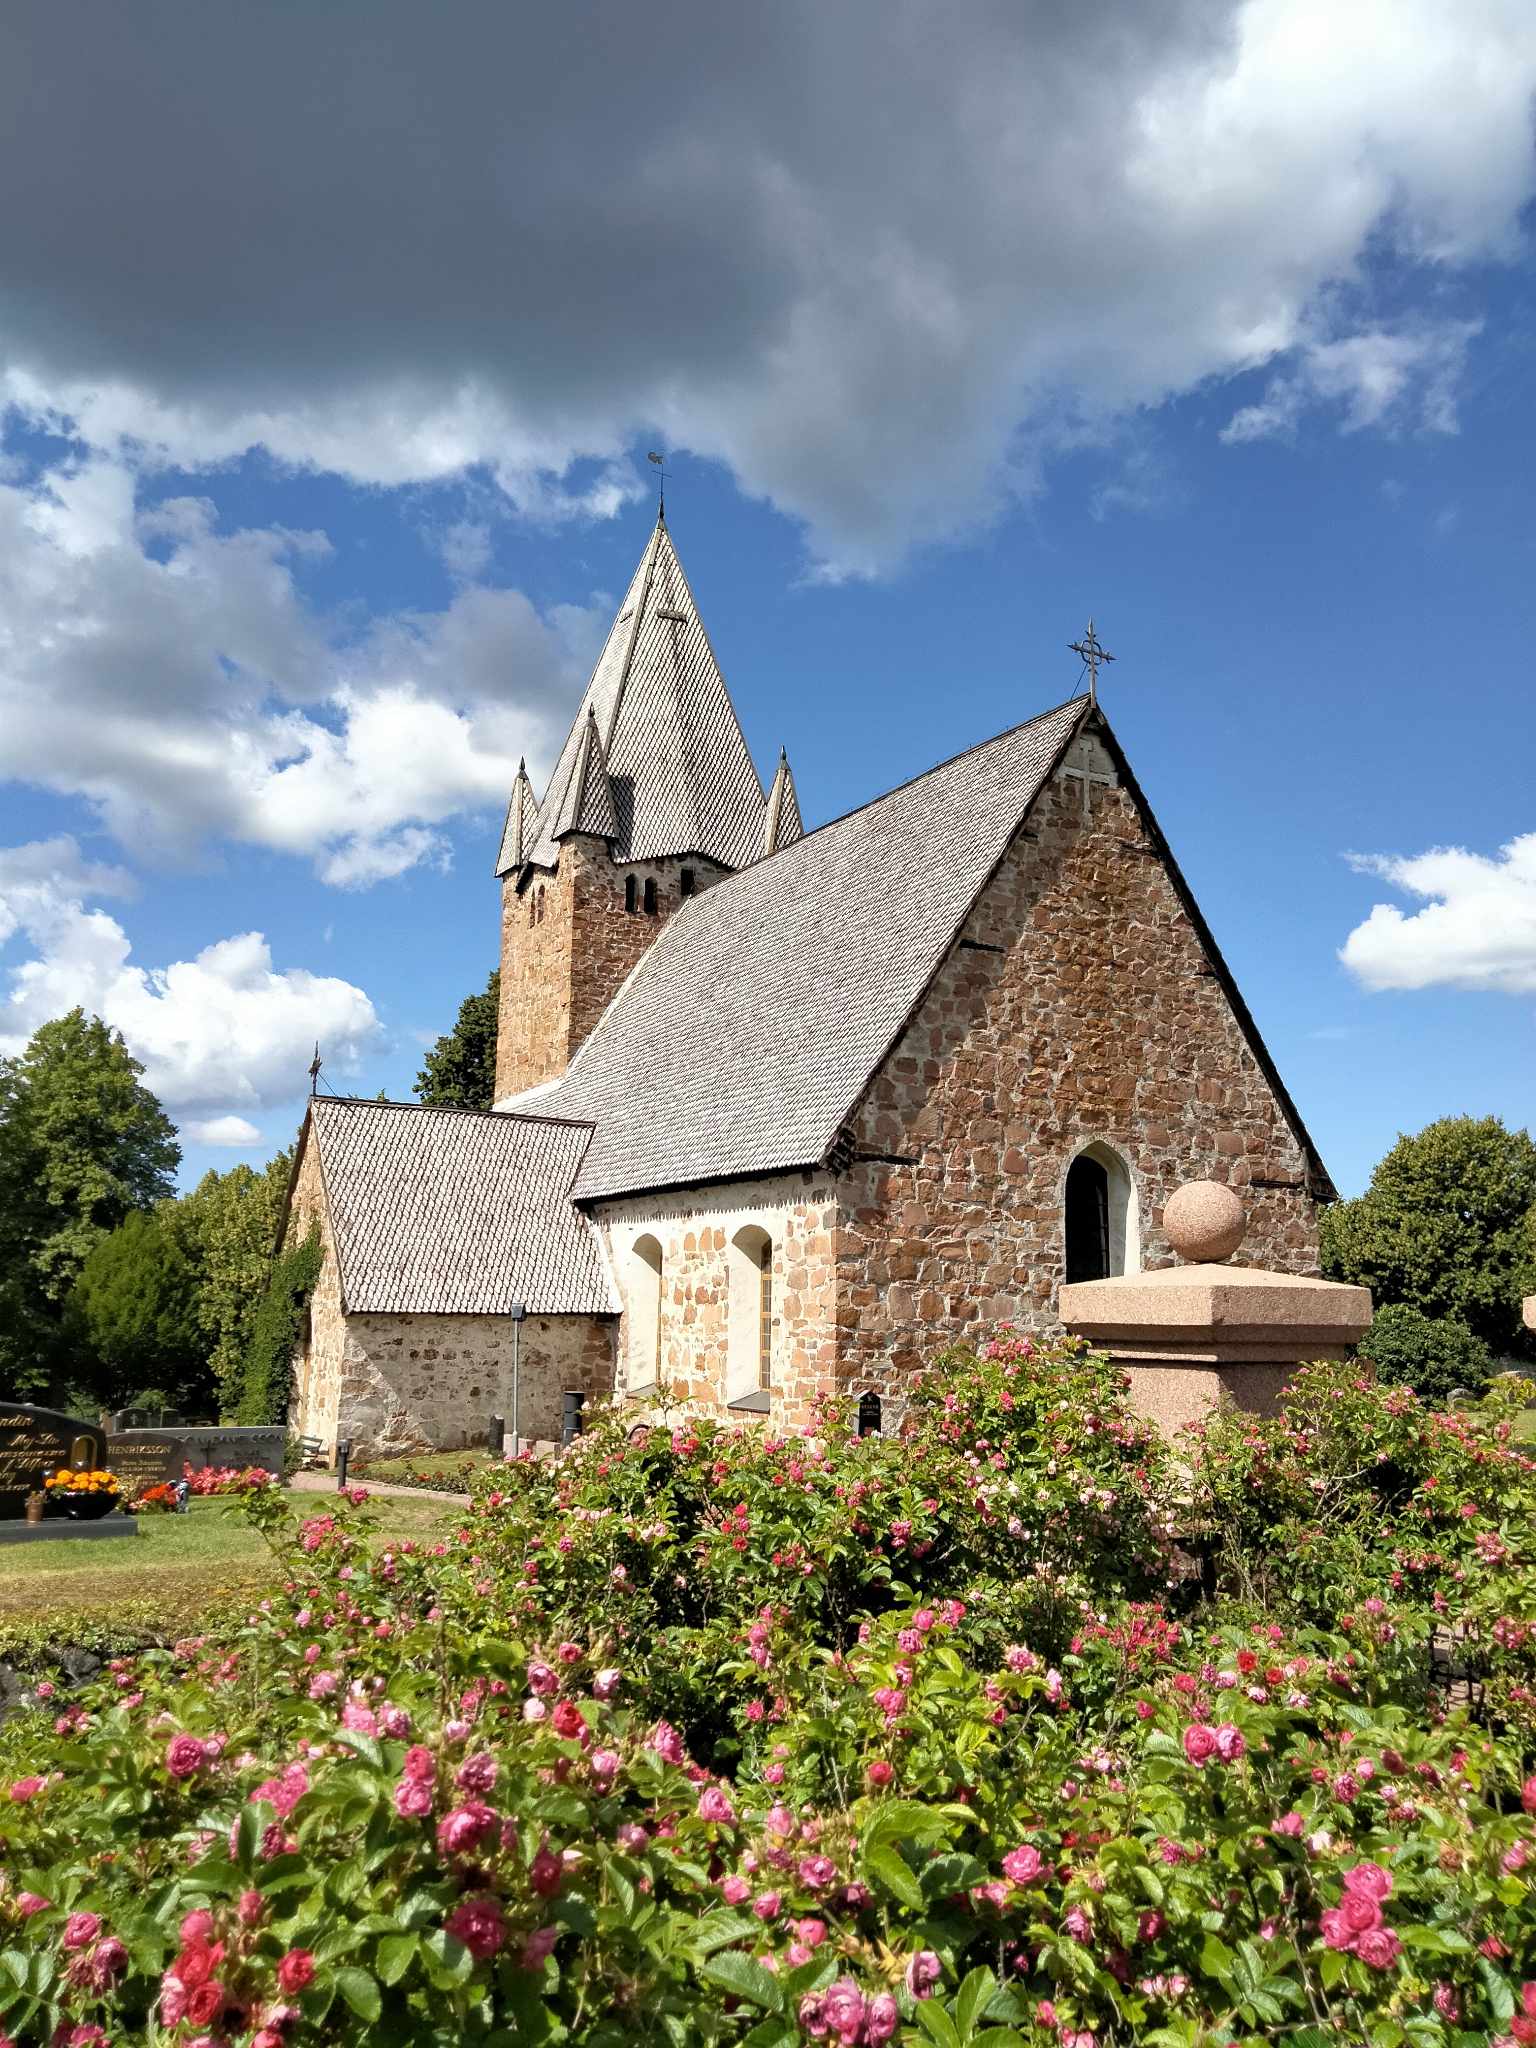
{"type": "Point", "coordinates": [141, 1461]}
{"type": "Point", "coordinates": [35, 1442]}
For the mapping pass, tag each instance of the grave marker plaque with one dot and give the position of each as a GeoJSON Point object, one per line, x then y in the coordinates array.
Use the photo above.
{"type": "Point", "coordinates": [141, 1461]}
{"type": "Point", "coordinates": [35, 1442]}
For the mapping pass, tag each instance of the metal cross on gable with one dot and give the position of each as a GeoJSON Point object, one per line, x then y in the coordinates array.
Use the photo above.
{"type": "Point", "coordinates": [1091, 654]}
{"type": "Point", "coordinates": [1081, 764]}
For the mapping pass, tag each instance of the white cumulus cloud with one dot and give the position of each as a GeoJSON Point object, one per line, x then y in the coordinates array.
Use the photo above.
{"type": "Point", "coordinates": [221, 1130]}
{"type": "Point", "coordinates": [171, 673]}
{"type": "Point", "coordinates": [1477, 929]}
{"type": "Point", "coordinates": [221, 1032]}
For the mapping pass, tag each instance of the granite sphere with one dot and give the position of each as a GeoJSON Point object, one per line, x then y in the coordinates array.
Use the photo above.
{"type": "Point", "coordinates": [1204, 1222]}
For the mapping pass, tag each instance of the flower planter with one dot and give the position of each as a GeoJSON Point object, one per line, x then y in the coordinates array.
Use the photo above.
{"type": "Point", "coordinates": [88, 1507]}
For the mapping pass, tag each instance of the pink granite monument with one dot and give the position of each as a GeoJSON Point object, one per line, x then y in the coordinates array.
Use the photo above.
{"type": "Point", "coordinates": [1207, 1331]}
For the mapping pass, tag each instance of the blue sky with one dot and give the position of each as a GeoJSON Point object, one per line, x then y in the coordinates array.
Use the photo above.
{"type": "Point", "coordinates": [288, 582]}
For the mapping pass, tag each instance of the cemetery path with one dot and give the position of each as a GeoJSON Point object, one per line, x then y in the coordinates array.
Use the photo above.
{"type": "Point", "coordinates": [325, 1482]}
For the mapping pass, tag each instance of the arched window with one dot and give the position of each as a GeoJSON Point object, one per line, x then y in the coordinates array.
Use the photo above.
{"type": "Point", "coordinates": [1103, 1238]}
{"type": "Point", "coordinates": [650, 897]}
{"type": "Point", "coordinates": [541, 903]}
{"type": "Point", "coordinates": [749, 1339]}
{"type": "Point", "coordinates": [631, 894]}
{"type": "Point", "coordinates": [685, 882]}
{"type": "Point", "coordinates": [643, 1318]}
{"type": "Point", "coordinates": [533, 904]}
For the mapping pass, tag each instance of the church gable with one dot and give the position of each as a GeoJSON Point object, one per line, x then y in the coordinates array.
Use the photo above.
{"type": "Point", "coordinates": [1082, 1008]}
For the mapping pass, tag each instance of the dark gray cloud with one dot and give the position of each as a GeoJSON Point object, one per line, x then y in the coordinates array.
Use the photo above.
{"type": "Point", "coordinates": [391, 238]}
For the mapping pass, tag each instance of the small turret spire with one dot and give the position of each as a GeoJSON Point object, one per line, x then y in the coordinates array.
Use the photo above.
{"type": "Point", "coordinates": [781, 816]}
{"type": "Point", "coordinates": [518, 832]}
{"type": "Point", "coordinates": [588, 805]}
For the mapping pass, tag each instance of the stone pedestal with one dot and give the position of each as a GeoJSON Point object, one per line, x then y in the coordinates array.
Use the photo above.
{"type": "Point", "coordinates": [1191, 1336]}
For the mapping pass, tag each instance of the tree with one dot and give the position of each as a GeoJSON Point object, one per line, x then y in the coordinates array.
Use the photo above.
{"type": "Point", "coordinates": [83, 1143]}
{"type": "Point", "coordinates": [460, 1070]}
{"type": "Point", "coordinates": [267, 1370]}
{"type": "Point", "coordinates": [228, 1227]}
{"type": "Point", "coordinates": [1435, 1355]}
{"type": "Point", "coordinates": [135, 1306]}
{"type": "Point", "coordinates": [1447, 1226]}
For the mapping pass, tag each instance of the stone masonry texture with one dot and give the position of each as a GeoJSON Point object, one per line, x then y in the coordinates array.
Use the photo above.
{"type": "Point", "coordinates": [1078, 1006]}
{"type": "Point", "coordinates": [561, 970]}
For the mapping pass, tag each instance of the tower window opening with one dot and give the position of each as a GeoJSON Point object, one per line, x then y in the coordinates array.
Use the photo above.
{"type": "Point", "coordinates": [650, 897]}
{"type": "Point", "coordinates": [533, 903]}
{"type": "Point", "coordinates": [645, 1305]}
{"type": "Point", "coordinates": [749, 1341]}
{"type": "Point", "coordinates": [685, 882]}
{"type": "Point", "coordinates": [631, 894]}
{"type": "Point", "coordinates": [539, 912]}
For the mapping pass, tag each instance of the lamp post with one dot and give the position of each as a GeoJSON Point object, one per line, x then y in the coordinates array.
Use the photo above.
{"type": "Point", "coordinates": [517, 1312]}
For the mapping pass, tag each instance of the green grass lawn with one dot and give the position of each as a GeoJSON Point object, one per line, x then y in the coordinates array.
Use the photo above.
{"type": "Point", "coordinates": [172, 1579]}
{"type": "Point", "coordinates": [448, 1471]}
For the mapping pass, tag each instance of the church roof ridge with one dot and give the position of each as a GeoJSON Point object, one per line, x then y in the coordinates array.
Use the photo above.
{"type": "Point", "coordinates": [529, 1116]}
{"type": "Point", "coordinates": [683, 780]}
{"type": "Point", "coordinates": [588, 804]}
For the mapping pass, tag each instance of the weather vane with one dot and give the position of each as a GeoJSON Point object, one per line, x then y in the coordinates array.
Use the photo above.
{"type": "Point", "coordinates": [314, 1070]}
{"type": "Point", "coordinates": [1092, 654]}
{"type": "Point", "coordinates": [652, 456]}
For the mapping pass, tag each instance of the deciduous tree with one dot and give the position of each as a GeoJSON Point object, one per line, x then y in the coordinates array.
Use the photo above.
{"type": "Point", "coordinates": [460, 1070]}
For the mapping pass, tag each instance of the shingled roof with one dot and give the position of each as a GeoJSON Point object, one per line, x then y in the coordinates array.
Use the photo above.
{"type": "Point", "coordinates": [743, 1038]}
{"type": "Point", "coordinates": [456, 1212]}
{"type": "Point", "coordinates": [681, 777]}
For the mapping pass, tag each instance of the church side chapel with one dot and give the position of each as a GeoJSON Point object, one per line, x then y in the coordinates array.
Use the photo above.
{"type": "Point", "coordinates": [784, 1111]}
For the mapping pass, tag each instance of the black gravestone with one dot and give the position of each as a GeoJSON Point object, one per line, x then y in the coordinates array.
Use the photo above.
{"type": "Point", "coordinates": [141, 1461]}
{"type": "Point", "coordinates": [35, 1442]}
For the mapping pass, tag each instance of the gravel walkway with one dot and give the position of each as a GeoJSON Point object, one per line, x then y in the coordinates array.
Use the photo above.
{"type": "Point", "coordinates": [325, 1482]}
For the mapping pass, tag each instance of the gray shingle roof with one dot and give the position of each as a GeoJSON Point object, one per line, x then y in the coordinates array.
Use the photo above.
{"type": "Point", "coordinates": [744, 1037]}
{"type": "Point", "coordinates": [682, 779]}
{"type": "Point", "coordinates": [587, 804]}
{"type": "Point", "coordinates": [782, 821]}
{"type": "Point", "coordinates": [457, 1212]}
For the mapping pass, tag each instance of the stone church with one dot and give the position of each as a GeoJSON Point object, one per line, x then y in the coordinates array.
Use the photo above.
{"type": "Point", "coordinates": [781, 1110]}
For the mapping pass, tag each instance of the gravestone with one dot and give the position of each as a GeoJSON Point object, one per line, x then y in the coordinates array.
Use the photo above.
{"type": "Point", "coordinates": [37, 1441]}
{"type": "Point", "coordinates": [141, 1461]}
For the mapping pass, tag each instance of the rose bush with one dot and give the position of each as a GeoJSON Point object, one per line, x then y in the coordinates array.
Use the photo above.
{"type": "Point", "coordinates": [724, 1737]}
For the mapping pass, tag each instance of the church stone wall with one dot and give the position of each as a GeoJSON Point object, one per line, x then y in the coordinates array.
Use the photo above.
{"type": "Point", "coordinates": [1079, 1006]}
{"type": "Point", "coordinates": [416, 1382]}
{"type": "Point", "coordinates": [317, 1368]}
{"type": "Point", "coordinates": [694, 1229]}
{"type": "Point", "coordinates": [560, 973]}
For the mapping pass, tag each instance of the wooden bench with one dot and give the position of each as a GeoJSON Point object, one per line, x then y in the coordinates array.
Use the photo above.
{"type": "Point", "coordinates": [312, 1454]}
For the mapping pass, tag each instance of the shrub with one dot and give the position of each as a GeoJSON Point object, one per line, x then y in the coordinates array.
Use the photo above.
{"type": "Point", "coordinates": [948, 1762]}
{"type": "Point", "coordinates": [1435, 1355]}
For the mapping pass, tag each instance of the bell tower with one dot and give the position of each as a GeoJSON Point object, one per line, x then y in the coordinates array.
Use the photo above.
{"type": "Point", "coordinates": [654, 796]}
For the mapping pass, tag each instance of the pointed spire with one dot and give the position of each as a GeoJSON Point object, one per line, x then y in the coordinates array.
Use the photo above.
{"type": "Point", "coordinates": [781, 819]}
{"type": "Point", "coordinates": [588, 804]}
{"type": "Point", "coordinates": [668, 734]}
{"type": "Point", "coordinates": [522, 815]}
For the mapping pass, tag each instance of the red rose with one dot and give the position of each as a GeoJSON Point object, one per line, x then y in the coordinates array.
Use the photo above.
{"type": "Point", "coordinates": [206, 2003]}
{"type": "Point", "coordinates": [295, 1972]}
{"type": "Point", "coordinates": [567, 1720]}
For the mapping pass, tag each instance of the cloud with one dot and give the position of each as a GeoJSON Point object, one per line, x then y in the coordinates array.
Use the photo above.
{"type": "Point", "coordinates": [223, 1031]}
{"type": "Point", "coordinates": [1380, 378]}
{"type": "Point", "coordinates": [221, 1130]}
{"type": "Point", "coordinates": [172, 674]}
{"type": "Point", "coordinates": [876, 264]}
{"type": "Point", "coordinates": [1477, 929]}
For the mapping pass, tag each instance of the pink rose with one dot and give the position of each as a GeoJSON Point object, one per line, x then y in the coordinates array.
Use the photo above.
{"type": "Point", "coordinates": [413, 1798]}
{"type": "Point", "coordinates": [1199, 1743]}
{"type": "Point", "coordinates": [479, 1925]}
{"type": "Point", "coordinates": [1370, 1879]}
{"type": "Point", "coordinates": [463, 1830]}
{"type": "Point", "coordinates": [206, 2003]}
{"type": "Point", "coordinates": [185, 1756]}
{"type": "Point", "coordinates": [477, 1773]}
{"type": "Point", "coordinates": [714, 1806]}
{"type": "Point", "coordinates": [1289, 1824]}
{"type": "Point", "coordinates": [27, 1788]}
{"type": "Point", "coordinates": [1337, 1931]}
{"type": "Point", "coordinates": [81, 1929]}
{"type": "Point", "coordinates": [734, 1890]}
{"type": "Point", "coordinates": [767, 1906]}
{"type": "Point", "coordinates": [546, 1874]}
{"type": "Point", "coordinates": [923, 1971]}
{"type": "Point", "coordinates": [607, 1682]}
{"type": "Point", "coordinates": [1359, 1911]}
{"type": "Point", "coordinates": [1023, 1865]}
{"type": "Point", "coordinates": [667, 1743]}
{"type": "Point", "coordinates": [1528, 1795]}
{"type": "Point", "coordinates": [538, 1947]}
{"type": "Point", "coordinates": [816, 1873]}
{"type": "Point", "coordinates": [843, 2010]}
{"type": "Point", "coordinates": [880, 2018]}
{"type": "Point", "coordinates": [567, 1720]}
{"type": "Point", "coordinates": [1229, 1742]}
{"type": "Point", "coordinates": [28, 1903]}
{"type": "Point", "coordinates": [1379, 1947]}
{"type": "Point", "coordinates": [879, 1775]}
